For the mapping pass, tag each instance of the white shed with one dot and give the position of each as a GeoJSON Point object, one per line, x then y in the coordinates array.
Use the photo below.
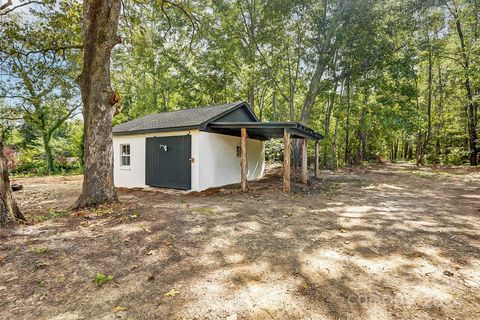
{"type": "Point", "coordinates": [193, 149]}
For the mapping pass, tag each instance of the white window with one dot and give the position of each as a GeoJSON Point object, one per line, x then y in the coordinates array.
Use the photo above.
{"type": "Point", "coordinates": [125, 155]}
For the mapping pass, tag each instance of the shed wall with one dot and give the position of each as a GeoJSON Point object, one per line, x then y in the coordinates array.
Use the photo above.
{"type": "Point", "coordinates": [219, 164]}
{"type": "Point", "coordinates": [215, 159]}
{"type": "Point", "coordinates": [134, 176]}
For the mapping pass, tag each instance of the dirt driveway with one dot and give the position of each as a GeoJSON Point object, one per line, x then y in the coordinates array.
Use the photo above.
{"type": "Point", "coordinates": [374, 243]}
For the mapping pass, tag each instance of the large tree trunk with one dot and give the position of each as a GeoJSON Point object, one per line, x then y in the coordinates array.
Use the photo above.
{"type": "Point", "coordinates": [9, 211]}
{"type": "Point", "coordinates": [100, 23]}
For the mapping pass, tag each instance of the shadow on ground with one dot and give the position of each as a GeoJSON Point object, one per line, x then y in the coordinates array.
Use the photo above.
{"type": "Point", "coordinates": [382, 242]}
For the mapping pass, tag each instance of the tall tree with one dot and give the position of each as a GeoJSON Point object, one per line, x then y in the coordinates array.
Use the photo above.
{"type": "Point", "coordinates": [100, 101]}
{"type": "Point", "coordinates": [471, 105]}
{"type": "Point", "coordinates": [40, 68]}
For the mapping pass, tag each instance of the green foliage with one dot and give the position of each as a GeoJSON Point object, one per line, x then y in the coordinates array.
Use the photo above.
{"type": "Point", "coordinates": [30, 162]}
{"type": "Point", "coordinates": [456, 156]}
{"type": "Point", "coordinates": [54, 214]}
{"type": "Point", "coordinates": [101, 279]}
{"type": "Point", "coordinates": [39, 70]}
{"type": "Point", "coordinates": [382, 80]}
{"type": "Point", "coordinates": [274, 150]}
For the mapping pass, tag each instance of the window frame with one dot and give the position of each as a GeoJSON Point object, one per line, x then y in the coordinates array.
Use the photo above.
{"type": "Point", "coordinates": [125, 156]}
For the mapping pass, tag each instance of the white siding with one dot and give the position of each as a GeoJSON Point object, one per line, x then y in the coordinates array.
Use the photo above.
{"type": "Point", "coordinates": [219, 164]}
{"type": "Point", "coordinates": [134, 176]}
{"type": "Point", "coordinates": [215, 159]}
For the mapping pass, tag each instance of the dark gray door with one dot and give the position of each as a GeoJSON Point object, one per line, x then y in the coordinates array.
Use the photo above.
{"type": "Point", "coordinates": [168, 163]}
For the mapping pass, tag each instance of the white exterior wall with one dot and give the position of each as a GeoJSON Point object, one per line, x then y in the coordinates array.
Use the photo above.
{"type": "Point", "coordinates": [215, 159]}
{"type": "Point", "coordinates": [219, 164]}
{"type": "Point", "coordinates": [134, 176]}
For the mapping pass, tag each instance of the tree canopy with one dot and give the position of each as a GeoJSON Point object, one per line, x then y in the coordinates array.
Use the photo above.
{"type": "Point", "coordinates": [382, 79]}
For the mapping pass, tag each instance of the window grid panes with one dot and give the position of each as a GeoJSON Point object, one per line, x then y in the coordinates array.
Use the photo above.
{"type": "Point", "coordinates": [125, 155]}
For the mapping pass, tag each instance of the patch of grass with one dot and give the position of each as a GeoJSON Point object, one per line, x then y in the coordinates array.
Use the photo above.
{"type": "Point", "coordinates": [424, 174]}
{"type": "Point", "coordinates": [102, 210]}
{"type": "Point", "coordinates": [205, 211]}
{"type": "Point", "coordinates": [40, 250]}
{"type": "Point", "coordinates": [100, 278]}
{"type": "Point", "coordinates": [54, 214]}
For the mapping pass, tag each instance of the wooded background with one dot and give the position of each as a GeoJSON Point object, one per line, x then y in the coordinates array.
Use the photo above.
{"type": "Point", "coordinates": [384, 80]}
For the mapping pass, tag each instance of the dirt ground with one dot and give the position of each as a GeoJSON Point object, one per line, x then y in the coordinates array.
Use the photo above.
{"type": "Point", "coordinates": [379, 242]}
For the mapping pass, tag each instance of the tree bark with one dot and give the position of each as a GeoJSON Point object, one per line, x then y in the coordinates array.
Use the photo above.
{"type": "Point", "coordinates": [328, 116]}
{"type": "Point", "coordinates": [100, 23]}
{"type": "Point", "coordinates": [333, 151]}
{"type": "Point", "coordinates": [429, 99]}
{"type": "Point", "coordinates": [9, 211]}
{"type": "Point", "coordinates": [243, 160]}
{"type": "Point", "coordinates": [304, 175]}
{"type": "Point", "coordinates": [286, 160]}
{"type": "Point", "coordinates": [472, 107]}
{"type": "Point", "coordinates": [347, 127]}
{"type": "Point", "coordinates": [48, 153]}
{"type": "Point", "coordinates": [323, 58]}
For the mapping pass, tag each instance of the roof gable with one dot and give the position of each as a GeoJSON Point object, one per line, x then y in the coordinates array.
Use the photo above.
{"type": "Point", "coordinates": [195, 118]}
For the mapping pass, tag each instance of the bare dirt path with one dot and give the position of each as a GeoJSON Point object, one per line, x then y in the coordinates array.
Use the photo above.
{"type": "Point", "coordinates": [373, 243]}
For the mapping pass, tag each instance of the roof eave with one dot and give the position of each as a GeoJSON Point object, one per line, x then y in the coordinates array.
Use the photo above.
{"type": "Point", "coordinates": [143, 131]}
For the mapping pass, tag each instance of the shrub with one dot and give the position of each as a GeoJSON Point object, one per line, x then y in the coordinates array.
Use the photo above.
{"type": "Point", "coordinates": [456, 156]}
{"type": "Point", "coordinates": [30, 161]}
{"type": "Point", "coordinates": [274, 150]}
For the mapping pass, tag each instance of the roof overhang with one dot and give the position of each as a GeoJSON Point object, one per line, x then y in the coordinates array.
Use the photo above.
{"type": "Point", "coordinates": [154, 130]}
{"type": "Point", "coordinates": [265, 130]}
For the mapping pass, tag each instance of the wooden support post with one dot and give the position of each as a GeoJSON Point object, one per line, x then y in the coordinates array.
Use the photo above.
{"type": "Point", "coordinates": [286, 160]}
{"type": "Point", "coordinates": [316, 158]}
{"type": "Point", "coordinates": [243, 160]}
{"type": "Point", "coordinates": [304, 161]}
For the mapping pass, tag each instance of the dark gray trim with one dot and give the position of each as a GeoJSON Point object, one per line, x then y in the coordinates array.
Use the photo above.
{"type": "Point", "coordinates": [204, 125]}
{"type": "Point", "coordinates": [143, 131]}
{"type": "Point", "coordinates": [267, 130]}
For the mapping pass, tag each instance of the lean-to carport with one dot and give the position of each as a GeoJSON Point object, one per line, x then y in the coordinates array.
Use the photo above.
{"type": "Point", "coordinates": [271, 130]}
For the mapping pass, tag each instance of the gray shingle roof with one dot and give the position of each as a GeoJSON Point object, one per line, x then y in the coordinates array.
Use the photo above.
{"type": "Point", "coordinates": [175, 120]}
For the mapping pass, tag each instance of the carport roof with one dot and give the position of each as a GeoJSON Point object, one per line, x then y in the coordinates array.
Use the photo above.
{"type": "Point", "coordinates": [265, 130]}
